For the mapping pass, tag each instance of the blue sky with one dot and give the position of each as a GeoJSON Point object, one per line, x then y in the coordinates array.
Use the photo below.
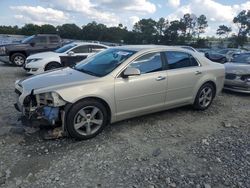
{"type": "Point", "coordinates": [113, 12]}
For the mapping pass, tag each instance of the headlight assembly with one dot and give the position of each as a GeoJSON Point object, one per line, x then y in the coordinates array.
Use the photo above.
{"type": "Point", "coordinates": [49, 99]}
{"type": "Point", "coordinates": [33, 60]}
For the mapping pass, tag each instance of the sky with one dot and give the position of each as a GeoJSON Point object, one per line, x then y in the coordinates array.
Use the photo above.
{"type": "Point", "coordinates": [113, 12]}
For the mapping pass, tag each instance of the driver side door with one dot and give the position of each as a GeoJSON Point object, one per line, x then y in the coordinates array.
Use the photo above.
{"type": "Point", "coordinates": [139, 94]}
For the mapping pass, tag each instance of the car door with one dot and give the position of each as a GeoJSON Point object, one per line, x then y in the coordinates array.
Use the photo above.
{"type": "Point", "coordinates": [184, 72]}
{"type": "Point", "coordinates": [39, 44]}
{"type": "Point", "coordinates": [138, 94]}
{"type": "Point", "coordinates": [81, 52]}
{"type": "Point", "coordinates": [54, 43]}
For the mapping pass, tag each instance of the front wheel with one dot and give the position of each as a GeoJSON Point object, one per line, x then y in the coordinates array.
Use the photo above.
{"type": "Point", "coordinates": [204, 97]}
{"type": "Point", "coordinates": [86, 119]}
{"type": "Point", "coordinates": [52, 65]}
{"type": "Point", "coordinates": [18, 59]}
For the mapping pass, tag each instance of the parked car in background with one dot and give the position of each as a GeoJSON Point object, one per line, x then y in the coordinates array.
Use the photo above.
{"type": "Point", "coordinates": [238, 74]}
{"type": "Point", "coordinates": [215, 56]}
{"type": "Point", "coordinates": [17, 53]}
{"type": "Point", "coordinates": [119, 83]}
{"type": "Point", "coordinates": [45, 61]}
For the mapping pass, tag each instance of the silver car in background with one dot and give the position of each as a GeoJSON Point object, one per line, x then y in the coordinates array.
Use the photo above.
{"type": "Point", "coordinates": [119, 83]}
{"type": "Point", "coordinates": [238, 74]}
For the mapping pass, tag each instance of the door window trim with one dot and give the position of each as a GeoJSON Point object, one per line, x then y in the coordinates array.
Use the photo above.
{"type": "Point", "coordinates": [166, 59]}
{"type": "Point", "coordinates": [161, 52]}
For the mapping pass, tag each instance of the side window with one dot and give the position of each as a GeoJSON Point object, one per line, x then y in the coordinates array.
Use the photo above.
{"type": "Point", "coordinates": [40, 40]}
{"type": "Point", "coordinates": [96, 48]}
{"type": "Point", "coordinates": [81, 49]}
{"type": "Point", "coordinates": [148, 63]}
{"type": "Point", "coordinates": [178, 60]}
{"type": "Point", "coordinates": [53, 39]}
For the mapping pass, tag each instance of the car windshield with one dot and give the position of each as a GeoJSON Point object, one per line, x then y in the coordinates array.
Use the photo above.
{"type": "Point", "coordinates": [65, 48]}
{"type": "Point", "coordinates": [223, 51]}
{"type": "Point", "coordinates": [243, 58]}
{"type": "Point", "coordinates": [28, 39]}
{"type": "Point", "coordinates": [104, 62]}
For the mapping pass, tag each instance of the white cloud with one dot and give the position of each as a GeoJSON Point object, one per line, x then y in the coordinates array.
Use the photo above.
{"type": "Point", "coordinates": [39, 15]}
{"type": "Point", "coordinates": [140, 6]}
{"type": "Point", "coordinates": [88, 9]}
{"type": "Point", "coordinates": [215, 12]}
{"type": "Point", "coordinates": [134, 19]}
{"type": "Point", "coordinates": [174, 3]}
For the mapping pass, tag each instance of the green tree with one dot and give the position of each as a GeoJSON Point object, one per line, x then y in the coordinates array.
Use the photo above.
{"type": "Point", "coordinates": [47, 29]}
{"type": "Point", "coordinates": [30, 29]}
{"type": "Point", "coordinates": [70, 31]}
{"type": "Point", "coordinates": [201, 24]}
{"type": "Point", "coordinates": [242, 20]}
{"type": "Point", "coordinates": [223, 30]}
{"type": "Point", "coordinates": [147, 29]}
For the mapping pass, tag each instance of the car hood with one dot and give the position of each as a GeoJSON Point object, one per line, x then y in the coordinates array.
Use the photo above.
{"type": "Point", "coordinates": [44, 55]}
{"type": "Point", "coordinates": [237, 68]}
{"type": "Point", "coordinates": [52, 80]}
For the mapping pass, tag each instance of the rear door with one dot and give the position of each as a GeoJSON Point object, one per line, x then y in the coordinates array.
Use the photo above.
{"type": "Point", "coordinates": [184, 72]}
{"type": "Point", "coordinates": [95, 49]}
{"type": "Point", "coordinates": [54, 43]}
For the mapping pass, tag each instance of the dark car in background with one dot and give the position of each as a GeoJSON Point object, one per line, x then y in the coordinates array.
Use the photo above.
{"type": "Point", "coordinates": [238, 74]}
{"type": "Point", "coordinates": [17, 53]}
{"type": "Point", "coordinates": [216, 56]}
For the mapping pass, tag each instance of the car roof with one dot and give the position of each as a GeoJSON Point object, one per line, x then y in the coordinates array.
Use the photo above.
{"type": "Point", "coordinates": [138, 48]}
{"type": "Point", "coordinates": [87, 43]}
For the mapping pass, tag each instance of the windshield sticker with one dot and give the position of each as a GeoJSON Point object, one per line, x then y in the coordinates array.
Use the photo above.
{"type": "Point", "coordinates": [122, 53]}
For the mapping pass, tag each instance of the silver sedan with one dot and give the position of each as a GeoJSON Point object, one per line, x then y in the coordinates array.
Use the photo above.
{"type": "Point", "coordinates": [119, 83]}
{"type": "Point", "coordinates": [238, 74]}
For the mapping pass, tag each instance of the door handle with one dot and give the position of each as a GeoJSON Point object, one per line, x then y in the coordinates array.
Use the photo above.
{"type": "Point", "coordinates": [159, 78]}
{"type": "Point", "coordinates": [198, 72]}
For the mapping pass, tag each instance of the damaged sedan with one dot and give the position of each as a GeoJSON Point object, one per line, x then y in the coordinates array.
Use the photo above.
{"type": "Point", "coordinates": [117, 84]}
{"type": "Point", "coordinates": [238, 74]}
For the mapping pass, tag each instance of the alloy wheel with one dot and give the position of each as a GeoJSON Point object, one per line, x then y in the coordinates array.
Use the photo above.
{"type": "Point", "coordinates": [206, 97]}
{"type": "Point", "coordinates": [19, 60]}
{"type": "Point", "coordinates": [88, 120]}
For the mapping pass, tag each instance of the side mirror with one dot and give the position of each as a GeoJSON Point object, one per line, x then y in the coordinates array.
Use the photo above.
{"type": "Point", "coordinates": [71, 53]}
{"type": "Point", "coordinates": [131, 71]}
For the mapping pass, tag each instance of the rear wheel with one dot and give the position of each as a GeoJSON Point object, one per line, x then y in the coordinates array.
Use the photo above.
{"type": "Point", "coordinates": [204, 97]}
{"type": "Point", "coordinates": [52, 65]}
{"type": "Point", "coordinates": [18, 59]}
{"type": "Point", "coordinates": [86, 119]}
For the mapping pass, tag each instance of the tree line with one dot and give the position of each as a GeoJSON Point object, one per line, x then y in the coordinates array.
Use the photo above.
{"type": "Point", "coordinates": [186, 30]}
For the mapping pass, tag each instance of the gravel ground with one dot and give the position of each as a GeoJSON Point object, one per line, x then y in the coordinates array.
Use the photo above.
{"type": "Point", "coordinates": [175, 148]}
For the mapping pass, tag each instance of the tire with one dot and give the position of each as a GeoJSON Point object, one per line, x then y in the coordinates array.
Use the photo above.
{"type": "Point", "coordinates": [86, 119]}
{"type": "Point", "coordinates": [223, 60]}
{"type": "Point", "coordinates": [52, 65]}
{"type": "Point", "coordinates": [204, 97]}
{"type": "Point", "coordinates": [18, 59]}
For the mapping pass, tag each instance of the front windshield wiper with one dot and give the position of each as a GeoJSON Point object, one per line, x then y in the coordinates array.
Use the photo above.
{"type": "Point", "coordinates": [86, 72]}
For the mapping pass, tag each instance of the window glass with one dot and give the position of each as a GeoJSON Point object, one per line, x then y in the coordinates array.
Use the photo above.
{"type": "Point", "coordinates": [81, 49]}
{"type": "Point", "coordinates": [40, 40]}
{"type": "Point", "coordinates": [148, 63]}
{"type": "Point", "coordinates": [53, 39]}
{"type": "Point", "coordinates": [178, 60]}
{"type": "Point", "coordinates": [104, 62]}
{"type": "Point", "coordinates": [65, 48]}
{"type": "Point", "coordinates": [96, 48]}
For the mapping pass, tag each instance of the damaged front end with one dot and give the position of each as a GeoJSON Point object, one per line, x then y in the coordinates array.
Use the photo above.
{"type": "Point", "coordinates": [43, 108]}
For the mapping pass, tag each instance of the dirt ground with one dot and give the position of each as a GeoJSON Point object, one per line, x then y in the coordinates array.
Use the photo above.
{"type": "Point", "coordinates": [174, 148]}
